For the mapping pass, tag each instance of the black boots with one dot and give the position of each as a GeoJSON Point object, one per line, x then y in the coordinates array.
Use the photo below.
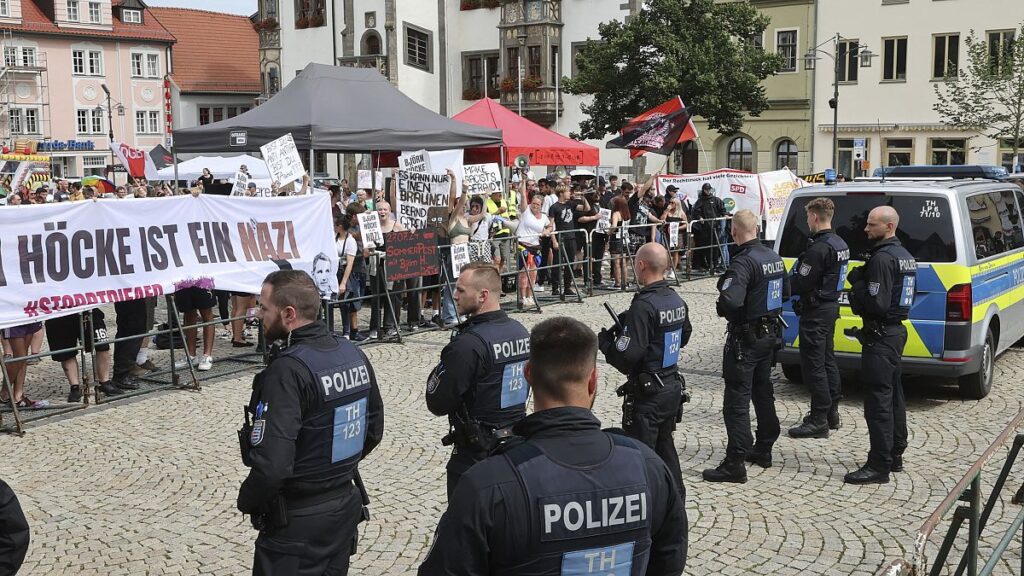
{"type": "Point", "coordinates": [866, 475]}
{"type": "Point", "coordinates": [728, 471]}
{"type": "Point", "coordinates": [834, 423]}
{"type": "Point", "coordinates": [810, 428]}
{"type": "Point", "coordinates": [762, 459]}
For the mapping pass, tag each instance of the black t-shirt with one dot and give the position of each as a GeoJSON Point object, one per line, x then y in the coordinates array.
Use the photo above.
{"type": "Point", "coordinates": [563, 215]}
{"type": "Point", "coordinates": [590, 226]}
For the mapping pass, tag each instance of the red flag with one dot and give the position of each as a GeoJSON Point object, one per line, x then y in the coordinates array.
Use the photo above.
{"type": "Point", "coordinates": [664, 109]}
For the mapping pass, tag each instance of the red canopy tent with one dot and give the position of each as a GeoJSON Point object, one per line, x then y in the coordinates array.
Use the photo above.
{"type": "Point", "coordinates": [522, 136]}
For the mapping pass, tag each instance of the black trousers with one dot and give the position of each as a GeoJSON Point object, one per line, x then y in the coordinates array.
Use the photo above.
{"type": "Point", "coordinates": [318, 539]}
{"type": "Point", "coordinates": [598, 242]}
{"type": "Point", "coordinates": [131, 321]}
{"type": "Point", "coordinates": [565, 256]}
{"type": "Point", "coordinates": [14, 531]}
{"type": "Point", "coordinates": [705, 253]}
{"type": "Point", "coordinates": [749, 380]}
{"type": "Point", "coordinates": [818, 358]}
{"type": "Point", "coordinates": [544, 275]}
{"type": "Point", "coordinates": [654, 421]}
{"type": "Point", "coordinates": [460, 462]}
{"type": "Point", "coordinates": [885, 409]}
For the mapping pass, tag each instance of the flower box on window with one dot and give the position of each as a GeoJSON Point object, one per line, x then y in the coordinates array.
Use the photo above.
{"type": "Point", "coordinates": [302, 22]}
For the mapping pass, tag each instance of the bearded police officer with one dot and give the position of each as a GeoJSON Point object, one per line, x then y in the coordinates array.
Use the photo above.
{"type": "Point", "coordinates": [750, 297]}
{"type": "Point", "coordinates": [817, 278]}
{"type": "Point", "coordinates": [479, 382]}
{"type": "Point", "coordinates": [315, 413]}
{"type": "Point", "coordinates": [645, 345]}
{"type": "Point", "coordinates": [569, 498]}
{"type": "Point", "coordinates": [882, 295]}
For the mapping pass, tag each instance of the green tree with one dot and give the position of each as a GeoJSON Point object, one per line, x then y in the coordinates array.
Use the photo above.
{"type": "Point", "coordinates": [697, 49]}
{"type": "Point", "coordinates": [987, 94]}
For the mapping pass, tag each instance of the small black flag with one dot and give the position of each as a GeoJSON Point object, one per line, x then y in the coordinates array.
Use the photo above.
{"type": "Point", "coordinates": [659, 134]}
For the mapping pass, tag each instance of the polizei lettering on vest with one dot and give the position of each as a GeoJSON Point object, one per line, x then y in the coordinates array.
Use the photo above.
{"type": "Point", "coordinates": [843, 255]}
{"type": "Point", "coordinates": [773, 268]}
{"type": "Point", "coordinates": [337, 383]}
{"type": "Point", "coordinates": [674, 316]}
{"type": "Point", "coordinates": [511, 348]}
{"type": "Point", "coordinates": [907, 265]}
{"type": "Point", "coordinates": [574, 516]}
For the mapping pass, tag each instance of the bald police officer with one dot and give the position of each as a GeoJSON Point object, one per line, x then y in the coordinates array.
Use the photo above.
{"type": "Point", "coordinates": [882, 295]}
{"type": "Point", "coordinates": [570, 498]}
{"type": "Point", "coordinates": [645, 346]}
{"type": "Point", "coordinates": [750, 297]}
{"type": "Point", "coordinates": [479, 382]}
{"type": "Point", "coordinates": [817, 278]}
{"type": "Point", "coordinates": [315, 412]}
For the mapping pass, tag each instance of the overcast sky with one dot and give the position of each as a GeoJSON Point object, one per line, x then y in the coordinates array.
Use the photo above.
{"type": "Point", "coordinates": [243, 7]}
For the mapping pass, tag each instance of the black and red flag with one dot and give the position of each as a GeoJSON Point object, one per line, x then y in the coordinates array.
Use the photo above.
{"type": "Point", "coordinates": [656, 130]}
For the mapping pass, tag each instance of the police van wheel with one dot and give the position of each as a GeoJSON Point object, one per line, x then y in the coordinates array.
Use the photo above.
{"type": "Point", "coordinates": [976, 386]}
{"type": "Point", "coordinates": [793, 373]}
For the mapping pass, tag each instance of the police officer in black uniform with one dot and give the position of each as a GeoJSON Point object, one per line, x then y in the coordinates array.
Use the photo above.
{"type": "Point", "coordinates": [750, 297]}
{"type": "Point", "coordinates": [817, 278]}
{"type": "Point", "coordinates": [14, 531]}
{"type": "Point", "coordinates": [569, 498]}
{"type": "Point", "coordinates": [645, 345]}
{"type": "Point", "coordinates": [479, 382]}
{"type": "Point", "coordinates": [315, 413]}
{"type": "Point", "coordinates": [882, 295]}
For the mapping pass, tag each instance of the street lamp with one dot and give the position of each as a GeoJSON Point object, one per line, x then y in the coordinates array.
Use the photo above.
{"type": "Point", "coordinates": [864, 54]}
{"type": "Point", "coordinates": [521, 36]}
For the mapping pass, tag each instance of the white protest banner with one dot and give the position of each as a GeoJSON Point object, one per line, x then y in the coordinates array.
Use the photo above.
{"type": "Point", "coordinates": [369, 227]}
{"type": "Point", "coordinates": [460, 257]}
{"type": "Point", "coordinates": [283, 160]}
{"type": "Point", "coordinates": [416, 192]}
{"type": "Point", "coordinates": [364, 180]}
{"type": "Point", "coordinates": [417, 161]}
{"type": "Point", "coordinates": [605, 220]}
{"type": "Point", "coordinates": [737, 189]}
{"type": "Point", "coordinates": [241, 183]}
{"type": "Point", "coordinates": [775, 188]}
{"type": "Point", "coordinates": [482, 178]}
{"type": "Point", "coordinates": [58, 259]}
{"type": "Point", "coordinates": [673, 234]}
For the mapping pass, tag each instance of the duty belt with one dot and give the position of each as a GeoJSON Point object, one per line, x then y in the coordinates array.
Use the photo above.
{"type": "Point", "coordinates": [306, 499]}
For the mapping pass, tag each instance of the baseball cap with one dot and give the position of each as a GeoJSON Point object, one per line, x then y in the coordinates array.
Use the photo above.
{"type": "Point", "coordinates": [706, 186]}
{"type": "Point", "coordinates": [251, 185]}
{"type": "Point", "coordinates": [671, 188]}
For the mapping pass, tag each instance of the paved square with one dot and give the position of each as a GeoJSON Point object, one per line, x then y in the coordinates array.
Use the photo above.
{"type": "Point", "coordinates": [148, 486]}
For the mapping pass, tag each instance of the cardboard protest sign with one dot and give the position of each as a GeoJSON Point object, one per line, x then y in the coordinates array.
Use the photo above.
{"type": "Point", "coordinates": [412, 254]}
{"type": "Point", "coordinates": [673, 234]}
{"type": "Point", "coordinates": [364, 180]}
{"type": "Point", "coordinates": [482, 178]}
{"type": "Point", "coordinates": [605, 221]}
{"type": "Point", "coordinates": [75, 256]}
{"type": "Point", "coordinates": [283, 160]}
{"type": "Point", "coordinates": [416, 193]}
{"type": "Point", "coordinates": [460, 257]}
{"type": "Point", "coordinates": [369, 228]}
{"type": "Point", "coordinates": [418, 161]}
{"type": "Point", "coordinates": [241, 183]}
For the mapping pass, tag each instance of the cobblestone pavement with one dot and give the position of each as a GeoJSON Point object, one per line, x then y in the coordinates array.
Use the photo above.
{"type": "Point", "coordinates": [148, 485]}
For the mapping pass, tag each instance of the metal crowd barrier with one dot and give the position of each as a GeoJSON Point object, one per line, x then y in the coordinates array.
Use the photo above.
{"type": "Point", "coordinates": [969, 492]}
{"type": "Point", "coordinates": [581, 268]}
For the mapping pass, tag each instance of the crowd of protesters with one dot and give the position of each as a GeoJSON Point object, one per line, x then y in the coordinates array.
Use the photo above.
{"type": "Point", "coordinates": [540, 233]}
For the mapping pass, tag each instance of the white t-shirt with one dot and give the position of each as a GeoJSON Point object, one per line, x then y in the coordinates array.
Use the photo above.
{"type": "Point", "coordinates": [346, 247]}
{"type": "Point", "coordinates": [530, 227]}
{"type": "Point", "coordinates": [481, 228]}
{"type": "Point", "coordinates": [549, 201]}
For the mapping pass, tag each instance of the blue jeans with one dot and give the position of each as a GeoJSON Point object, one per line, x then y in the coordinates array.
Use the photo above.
{"type": "Point", "coordinates": [724, 237]}
{"type": "Point", "coordinates": [448, 312]}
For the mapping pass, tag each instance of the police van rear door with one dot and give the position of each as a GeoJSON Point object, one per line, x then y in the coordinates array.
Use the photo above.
{"type": "Point", "coordinates": [926, 229]}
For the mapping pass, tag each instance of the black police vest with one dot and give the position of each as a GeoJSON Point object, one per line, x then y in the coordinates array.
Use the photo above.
{"type": "Point", "coordinates": [330, 442]}
{"type": "Point", "coordinates": [666, 342]}
{"type": "Point", "coordinates": [499, 398]}
{"type": "Point", "coordinates": [594, 520]}
{"type": "Point", "coordinates": [834, 278]}
{"type": "Point", "coordinates": [905, 283]}
{"type": "Point", "coordinates": [764, 291]}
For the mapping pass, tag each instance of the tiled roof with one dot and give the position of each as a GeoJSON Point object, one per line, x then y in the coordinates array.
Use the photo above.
{"type": "Point", "coordinates": [215, 52]}
{"type": "Point", "coordinates": [34, 20]}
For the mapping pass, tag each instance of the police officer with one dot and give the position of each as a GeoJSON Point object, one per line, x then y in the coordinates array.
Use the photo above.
{"type": "Point", "coordinates": [817, 278]}
{"type": "Point", "coordinates": [645, 346]}
{"type": "Point", "coordinates": [14, 532]}
{"type": "Point", "coordinates": [479, 382]}
{"type": "Point", "coordinates": [570, 498]}
{"type": "Point", "coordinates": [750, 297]}
{"type": "Point", "coordinates": [315, 413]}
{"type": "Point", "coordinates": [882, 295]}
